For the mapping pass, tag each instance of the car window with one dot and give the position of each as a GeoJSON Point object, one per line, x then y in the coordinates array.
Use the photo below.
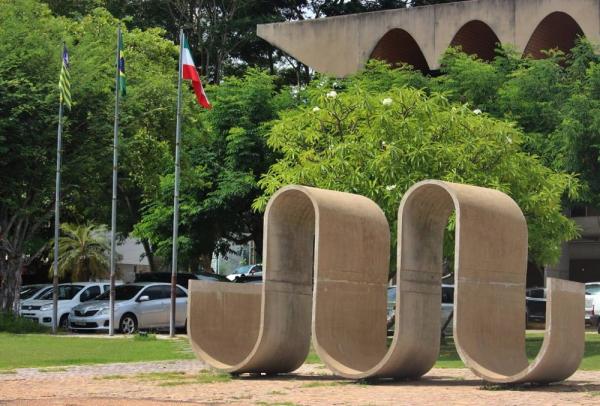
{"type": "Point", "coordinates": [65, 292]}
{"type": "Point", "coordinates": [447, 294]}
{"type": "Point", "coordinates": [29, 291]}
{"type": "Point", "coordinates": [536, 293]}
{"type": "Point", "coordinates": [165, 291]}
{"type": "Point", "coordinates": [122, 292]}
{"type": "Point", "coordinates": [180, 293]}
{"type": "Point", "coordinates": [391, 294]}
{"type": "Point", "coordinates": [89, 293]}
{"type": "Point", "coordinates": [153, 292]}
{"type": "Point", "coordinates": [592, 289]}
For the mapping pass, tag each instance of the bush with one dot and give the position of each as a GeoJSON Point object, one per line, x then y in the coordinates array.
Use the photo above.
{"type": "Point", "coordinates": [10, 323]}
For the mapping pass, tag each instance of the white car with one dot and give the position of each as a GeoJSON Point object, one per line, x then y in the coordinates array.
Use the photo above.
{"type": "Point", "coordinates": [592, 304]}
{"type": "Point", "coordinates": [32, 292]}
{"type": "Point", "coordinates": [141, 305]}
{"type": "Point", "coordinates": [246, 270]}
{"type": "Point", "coordinates": [69, 295]}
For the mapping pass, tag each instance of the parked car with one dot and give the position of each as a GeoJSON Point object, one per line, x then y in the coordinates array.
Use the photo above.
{"type": "Point", "coordinates": [447, 308]}
{"type": "Point", "coordinates": [245, 270]}
{"type": "Point", "coordinates": [535, 305]}
{"type": "Point", "coordinates": [182, 277]}
{"type": "Point", "coordinates": [143, 305]}
{"type": "Point", "coordinates": [254, 278]}
{"type": "Point", "coordinates": [592, 301]}
{"type": "Point", "coordinates": [69, 295]}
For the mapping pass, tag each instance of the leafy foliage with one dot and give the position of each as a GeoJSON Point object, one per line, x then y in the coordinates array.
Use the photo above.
{"type": "Point", "coordinates": [83, 252]}
{"type": "Point", "coordinates": [379, 142]}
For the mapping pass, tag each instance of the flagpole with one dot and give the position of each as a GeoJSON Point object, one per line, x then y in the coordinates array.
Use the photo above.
{"type": "Point", "coordinates": [176, 194]}
{"type": "Point", "coordinates": [57, 219]}
{"type": "Point", "coordinates": [113, 219]}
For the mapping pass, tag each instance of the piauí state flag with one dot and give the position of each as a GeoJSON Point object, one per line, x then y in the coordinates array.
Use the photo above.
{"type": "Point", "coordinates": [189, 72]}
{"type": "Point", "coordinates": [122, 80]}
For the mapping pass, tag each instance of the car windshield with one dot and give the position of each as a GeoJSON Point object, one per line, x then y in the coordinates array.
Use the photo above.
{"type": "Point", "coordinates": [65, 292]}
{"type": "Point", "coordinates": [29, 291]}
{"type": "Point", "coordinates": [391, 294]}
{"type": "Point", "coordinates": [592, 289]}
{"type": "Point", "coordinates": [243, 269]}
{"type": "Point", "coordinates": [122, 292]}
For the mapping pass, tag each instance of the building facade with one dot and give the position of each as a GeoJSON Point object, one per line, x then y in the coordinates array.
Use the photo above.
{"type": "Point", "coordinates": [419, 36]}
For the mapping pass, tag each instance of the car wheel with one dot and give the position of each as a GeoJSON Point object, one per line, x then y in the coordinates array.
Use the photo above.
{"type": "Point", "coordinates": [128, 324]}
{"type": "Point", "coordinates": [64, 322]}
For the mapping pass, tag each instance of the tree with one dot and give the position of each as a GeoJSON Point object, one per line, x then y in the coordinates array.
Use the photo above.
{"type": "Point", "coordinates": [83, 252]}
{"type": "Point", "coordinates": [378, 143]}
{"type": "Point", "coordinates": [31, 46]}
{"type": "Point", "coordinates": [224, 153]}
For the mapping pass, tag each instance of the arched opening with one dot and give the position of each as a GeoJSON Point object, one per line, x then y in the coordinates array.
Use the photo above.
{"type": "Point", "coordinates": [397, 47]}
{"type": "Point", "coordinates": [476, 38]}
{"type": "Point", "coordinates": [557, 31]}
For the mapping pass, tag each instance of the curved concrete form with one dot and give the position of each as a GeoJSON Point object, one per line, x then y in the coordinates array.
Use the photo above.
{"type": "Point", "coordinates": [266, 328]}
{"type": "Point", "coordinates": [342, 45]}
{"type": "Point", "coordinates": [345, 239]}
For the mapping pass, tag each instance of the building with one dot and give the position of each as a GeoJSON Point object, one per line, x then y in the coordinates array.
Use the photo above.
{"type": "Point", "coordinates": [419, 36]}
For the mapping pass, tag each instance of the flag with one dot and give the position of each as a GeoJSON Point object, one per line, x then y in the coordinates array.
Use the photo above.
{"type": "Point", "coordinates": [64, 81]}
{"type": "Point", "coordinates": [122, 81]}
{"type": "Point", "coordinates": [189, 72]}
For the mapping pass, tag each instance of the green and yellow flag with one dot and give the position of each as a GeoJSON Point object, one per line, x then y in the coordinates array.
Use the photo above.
{"type": "Point", "coordinates": [64, 81]}
{"type": "Point", "coordinates": [121, 67]}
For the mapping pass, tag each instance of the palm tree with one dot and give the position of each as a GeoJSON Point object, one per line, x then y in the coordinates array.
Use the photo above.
{"type": "Point", "coordinates": [83, 252]}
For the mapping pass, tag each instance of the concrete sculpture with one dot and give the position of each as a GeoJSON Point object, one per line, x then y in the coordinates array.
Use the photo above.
{"type": "Point", "coordinates": [345, 238]}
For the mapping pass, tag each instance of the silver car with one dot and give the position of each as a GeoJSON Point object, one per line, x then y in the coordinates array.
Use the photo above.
{"type": "Point", "coordinates": [447, 308]}
{"type": "Point", "coordinates": [143, 305]}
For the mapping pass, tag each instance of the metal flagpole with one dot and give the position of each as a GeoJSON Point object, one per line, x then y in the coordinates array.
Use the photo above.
{"type": "Point", "coordinates": [176, 194]}
{"type": "Point", "coordinates": [57, 219]}
{"type": "Point", "coordinates": [113, 219]}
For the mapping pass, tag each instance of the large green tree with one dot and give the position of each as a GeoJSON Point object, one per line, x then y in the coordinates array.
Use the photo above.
{"type": "Point", "coordinates": [362, 137]}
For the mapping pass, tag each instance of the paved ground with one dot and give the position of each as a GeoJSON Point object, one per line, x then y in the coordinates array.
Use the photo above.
{"type": "Point", "coordinates": [186, 382]}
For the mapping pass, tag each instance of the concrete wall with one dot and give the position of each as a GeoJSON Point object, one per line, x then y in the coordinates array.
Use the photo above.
{"type": "Point", "coordinates": [342, 45]}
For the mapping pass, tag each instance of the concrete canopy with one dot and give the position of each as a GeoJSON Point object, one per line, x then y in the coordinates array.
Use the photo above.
{"type": "Point", "coordinates": [342, 45]}
{"type": "Point", "coordinates": [326, 259]}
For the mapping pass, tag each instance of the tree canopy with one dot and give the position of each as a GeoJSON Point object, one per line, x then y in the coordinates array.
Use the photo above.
{"type": "Point", "coordinates": [378, 142]}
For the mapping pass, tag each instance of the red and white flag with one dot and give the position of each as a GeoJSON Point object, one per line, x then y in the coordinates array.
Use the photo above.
{"type": "Point", "coordinates": [189, 72]}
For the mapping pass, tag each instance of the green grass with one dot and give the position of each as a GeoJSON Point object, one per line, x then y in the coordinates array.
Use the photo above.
{"type": "Point", "coordinates": [449, 357]}
{"type": "Point", "coordinates": [591, 358]}
{"type": "Point", "coordinates": [181, 378]}
{"type": "Point", "coordinates": [42, 350]}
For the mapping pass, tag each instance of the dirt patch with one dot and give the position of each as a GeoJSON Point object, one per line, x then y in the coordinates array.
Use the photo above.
{"type": "Point", "coordinates": [187, 382]}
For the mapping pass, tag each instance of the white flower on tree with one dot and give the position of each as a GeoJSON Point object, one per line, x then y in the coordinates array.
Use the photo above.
{"type": "Point", "coordinates": [332, 94]}
{"type": "Point", "coordinates": [387, 101]}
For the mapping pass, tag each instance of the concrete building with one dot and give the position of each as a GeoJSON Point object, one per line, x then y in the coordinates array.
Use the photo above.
{"type": "Point", "coordinates": [131, 260]}
{"type": "Point", "coordinates": [419, 36]}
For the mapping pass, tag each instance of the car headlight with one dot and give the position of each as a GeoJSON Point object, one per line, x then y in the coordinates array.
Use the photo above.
{"type": "Point", "coordinates": [103, 312]}
{"type": "Point", "coordinates": [46, 307]}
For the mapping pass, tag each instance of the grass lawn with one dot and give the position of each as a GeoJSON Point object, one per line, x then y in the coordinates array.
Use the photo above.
{"type": "Point", "coordinates": [591, 358]}
{"type": "Point", "coordinates": [44, 350]}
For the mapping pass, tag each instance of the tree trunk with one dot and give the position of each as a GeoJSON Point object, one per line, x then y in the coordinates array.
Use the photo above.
{"type": "Point", "coordinates": [10, 284]}
{"type": "Point", "coordinates": [205, 261]}
{"type": "Point", "coordinates": [149, 254]}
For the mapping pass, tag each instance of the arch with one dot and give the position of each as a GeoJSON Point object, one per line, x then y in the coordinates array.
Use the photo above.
{"type": "Point", "coordinates": [242, 328]}
{"type": "Point", "coordinates": [556, 30]}
{"type": "Point", "coordinates": [476, 38]}
{"type": "Point", "coordinates": [396, 47]}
